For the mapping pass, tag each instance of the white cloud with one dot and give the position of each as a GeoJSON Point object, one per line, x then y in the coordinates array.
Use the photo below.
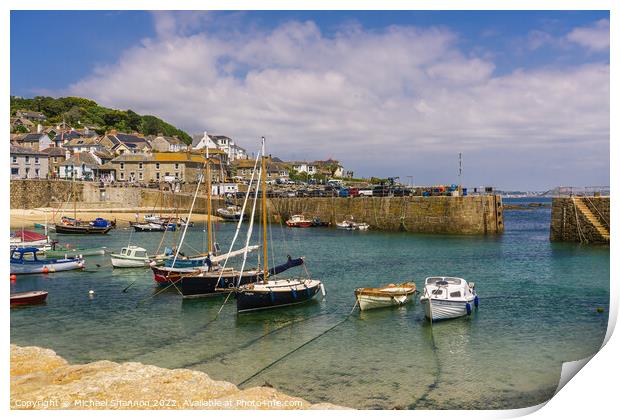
{"type": "Point", "coordinates": [594, 37]}
{"type": "Point", "coordinates": [381, 101]}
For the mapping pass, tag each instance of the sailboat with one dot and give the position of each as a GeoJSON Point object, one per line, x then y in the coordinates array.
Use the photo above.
{"type": "Point", "coordinates": [74, 226]}
{"type": "Point", "coordinates": [267, 293]}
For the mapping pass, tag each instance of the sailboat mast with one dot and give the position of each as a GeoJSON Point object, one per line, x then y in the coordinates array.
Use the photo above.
{"type": "Point", "coordinates": [209, 232]}
{"type": "Point", "coordinates": [264, 211]}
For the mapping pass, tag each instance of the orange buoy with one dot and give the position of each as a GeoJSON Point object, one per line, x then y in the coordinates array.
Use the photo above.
{"type": "Point", "coordinates": [45, 270]}
{"type": "Point", "coordinates": [13, 277]}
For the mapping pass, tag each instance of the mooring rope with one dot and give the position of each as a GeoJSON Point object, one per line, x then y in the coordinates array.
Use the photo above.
{"type": "Point", "coordinates": [298, 347]}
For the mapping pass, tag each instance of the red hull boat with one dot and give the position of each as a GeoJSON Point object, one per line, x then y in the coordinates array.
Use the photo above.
{"type": "Point", "coordinates": [28, 298]}
{"type": "Point", "coordinates": [299, 221]}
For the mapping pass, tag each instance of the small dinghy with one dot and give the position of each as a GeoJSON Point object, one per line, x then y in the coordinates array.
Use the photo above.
{"type": "Point", "coordinates": [34, 297]}
{"type": "Point", "coordinates": [299, 221]}
{"type": "Point", "coordinates": [380, 297]}
{"type": "Point", "coordinates": [351, 225]}
{"type": "Point", "coordinates": [448, 297]}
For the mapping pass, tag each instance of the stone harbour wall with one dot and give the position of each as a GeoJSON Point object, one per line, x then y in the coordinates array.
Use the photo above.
{"type": "Point", "coordinates": [567, 222]}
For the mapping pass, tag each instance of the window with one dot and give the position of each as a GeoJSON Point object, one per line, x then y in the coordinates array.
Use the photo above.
{"type": "Point", "coordinates": [122, 176]}
{"type": "Point", "coordinates": [14, 171]}
{"type": "Point", "coordinates": [36, 159]}
{"type": "Point", "coordinates": [27, 159]}
{"type": "Point", "coordinates": [157, 165]}
{"type": "Point", "coordinates": [14, 159]}
{"type": "Point", "coordinates": [437, 292]}
{"type": "Point", "coordinates": [122, 165]}
{"type": "Point", "coordinates": [176, 166]}
{"type": "Point", "coordinates": [140, 165]}
{"type": "Point", "coordinates": [132, 176]}
{"type": "Point", "coordinates": [455, 294]}
{"type": "Point", "coordinates": [176, 174]}
{"type": "Point", "coordinates": [141, 176]}
{"type": "Point", "coordinates": [157, 176]}
{"type": "Point", "coordinates": [56, 159]}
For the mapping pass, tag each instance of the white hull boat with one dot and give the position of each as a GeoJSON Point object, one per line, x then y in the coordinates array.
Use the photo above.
{"type": "Point", "coordinates": [130, 257]}
{"type": "Point", "coordinates": [381, 297]}
{"type": "Point", "coordinates": [448, 297]}
{"type": "Point", "coordinates": [351, 225]}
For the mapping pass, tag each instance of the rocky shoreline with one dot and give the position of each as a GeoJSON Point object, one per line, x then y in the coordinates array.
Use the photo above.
{"type": "Point", "coordinates": [40, 379]}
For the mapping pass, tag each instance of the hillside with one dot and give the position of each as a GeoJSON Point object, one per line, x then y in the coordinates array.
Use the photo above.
{"type": "Point", "coordinates": [79, 111]}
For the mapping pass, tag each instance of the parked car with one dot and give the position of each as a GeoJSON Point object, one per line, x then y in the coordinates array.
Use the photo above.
{"type": "Point", "coordinates": [343, 192]}
{"type": "Point", "coordinates": [380, 191]}
{"type": "Point", "coordinates": [365, 193]}
{"type": "Point", "coordinates": [354, 192]}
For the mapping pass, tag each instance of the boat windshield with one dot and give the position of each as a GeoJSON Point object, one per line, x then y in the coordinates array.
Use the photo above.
{"type": "Point", "coordinates": [443, 280]}
{"type": "Point", "coordinates": [140, 254]}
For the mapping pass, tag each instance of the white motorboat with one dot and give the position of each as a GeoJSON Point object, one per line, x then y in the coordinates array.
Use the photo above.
{"type": "Point", "coordinates": [351, 225]}
{"type": "Point", "coordinates": [448, 297]}
{"type": "Point", "coordinates": [130, 257]}
{"type": "Point", "coordinates": [230, 213]}
{"type": "Point", "coordinates": [380, 297]}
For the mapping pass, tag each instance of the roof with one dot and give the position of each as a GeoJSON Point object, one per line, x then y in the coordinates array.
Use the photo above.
{"type": "Point", "coordinates": [18, 150]}
{"type": "Point", "coordinates": [104, 154]}
{"type": "Point", "coordinates": [244, 163]}
{"type": "Point", "coordinates": [30, 137]}
{"type": "Point", "coordinates": [169, 139]}
{"type": "Point", "coordinates": [81, 158]}
{"type": "Point", "coordinates": [32, 114]}
{"type": "Point", "coordinates": [133, 157]}
{"type": "Point", "coordinates": [82, 141]}
{"type": "Point", "coordinates": [70, 135]}
{"type": "Point", "coordinates": [55, 151]}
{"type": "Point", "coordinates": [129, 138]}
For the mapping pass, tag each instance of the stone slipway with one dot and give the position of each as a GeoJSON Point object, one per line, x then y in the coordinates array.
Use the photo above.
{"type": "Point", "coordinates": [40, 379]}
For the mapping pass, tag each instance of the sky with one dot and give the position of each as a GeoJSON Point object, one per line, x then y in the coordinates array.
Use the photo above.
{"type": "Point", "coordinates": [523, 95]}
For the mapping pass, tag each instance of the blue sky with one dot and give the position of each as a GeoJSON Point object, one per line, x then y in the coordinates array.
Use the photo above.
{"type": "Point", "coordinates": [433, 61]}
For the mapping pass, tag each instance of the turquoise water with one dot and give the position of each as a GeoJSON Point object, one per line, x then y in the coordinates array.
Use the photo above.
{"type": "Point", "coordinates": [538, 305]}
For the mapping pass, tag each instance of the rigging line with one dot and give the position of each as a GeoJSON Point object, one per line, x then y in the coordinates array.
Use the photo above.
{"type": "Point", "coordinates": [298, 347]}
{"type": "Point", "coordinates": [247, 242]}
{"type": "Point", "coordinates": [434, 384]}
{"type": "Point", "coordinates": [252, 341]}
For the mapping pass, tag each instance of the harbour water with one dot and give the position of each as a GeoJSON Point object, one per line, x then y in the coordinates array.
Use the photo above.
{"type": "Point", "coordinates": [538, 308]}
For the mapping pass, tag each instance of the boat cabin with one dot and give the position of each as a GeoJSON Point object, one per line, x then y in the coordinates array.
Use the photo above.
{"type": "Point", "coordinates": [448, 287]}
{"type": "Point", "coordinates": [25, 255]}
{"type": "Point", "coordinates": [134, 252]}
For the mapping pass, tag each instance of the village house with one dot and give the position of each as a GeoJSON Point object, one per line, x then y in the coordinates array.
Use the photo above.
{"type": "Point", "coordinates": [36, 141]}
{"type": "Point", "coordinates": [83, 144]}
{"type": "Point", "coordinates": [224, 143]}
{"type": "Point", "coordinates": [243, 170]}
{"type": "Point", "coordinates": [28, 163]}
{"type": "Point", "coordinates": [31, 115]}
{"type": "Point", "coordinates": [56, 156]}
{"type": "Point", "coordinates": [163, 143]}
{"type": "Point", "coordinates": [156, 167]}
{"type": "Point", "coordinates": [330, 168]}
{"type": "Point", "coordinates": [303, 167]}
{"type": "Point", "coordinates": [16, 123]}
{"type": "Point", "coordinates": [121, 143]}
{"type": "Point", "coordinates": [64, 137]}
{"type": "Point", "coordinates": [86, 166]}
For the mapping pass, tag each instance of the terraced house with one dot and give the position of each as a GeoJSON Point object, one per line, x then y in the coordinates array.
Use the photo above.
{"type": "Point", "coordinates": [28, 164]}
{"type": "Point", "coordinates": [163, 166]}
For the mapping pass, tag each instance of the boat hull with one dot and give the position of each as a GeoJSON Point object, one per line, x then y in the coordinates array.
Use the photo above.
{"type": "Point", "coordinates": [124, 262]}
{"type": "Point", "coordinates": [374, 302]}
{"type": "Point", "coordinates": [439, 309]}
{"type": "Point", "coordinates": [28, 298]}
{"type": "Point", "coordinates": [210, 283]}
{"type": "Point", "coordinates": [35, 268]}
{"type": "Point", "coordinates": [305, 224]}
{"type": "Point", "coordinates": [74, 253]}
{"type": "Point", "coordinates": [82, 230]}
{"type": "Point", "coordinates": [254, 299]}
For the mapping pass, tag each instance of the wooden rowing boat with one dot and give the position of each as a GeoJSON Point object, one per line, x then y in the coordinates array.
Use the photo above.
{"type": "Point", "coordinates": [380, 297]}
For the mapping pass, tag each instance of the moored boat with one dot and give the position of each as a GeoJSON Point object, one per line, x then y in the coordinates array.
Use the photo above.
{"type": "Point", "coordinates": [26, 261]}
{"type": "Point", "coordinates": [130, 257]}
{"type": "Point", "coordinates": [379, 297]}
{"type": "Point", "coordinates": [448, 297]}
{"type": "Point", "coordinates": [34, 297]}
{"type": "Point", "coordinates": [72, 226]}
{"type": "Point", "coordinates": [351, 225]}
{"type": "Point", "coordinates": [154, 227]}
{"type": "Point", "coordinates": [273, 293]}
{"type": "Point", "coordinates": [27, 239]}
{"type": "Point", "coordinates": [299, 221]}
{"type": "Point", "coordinates": [230, 213]}
{"type": "Point", "coordinates": [74, 252]}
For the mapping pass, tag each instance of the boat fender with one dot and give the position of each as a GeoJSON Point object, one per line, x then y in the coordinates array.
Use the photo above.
{"type": "Point", "coordinates": [294, 293]}
{"type": "Point", "coordinates": [272, 296]}
{"type": "Point", "coordinates": [323, 290]}
{"type": "Point", "coordinates": [476, 301]}
{"type": "Point", "coordinates": [468, 307]}
{"type": "Point", "coordinates": [45, 270]}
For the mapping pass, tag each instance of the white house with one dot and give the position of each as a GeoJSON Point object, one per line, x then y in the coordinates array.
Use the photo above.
{"type": "Point", "coordinates": [201, 142]}
{"type": "Point", "coordinates": [82, 165]}
{"type": "Point", "coordinates": [224, 188]}
{"type": "Point", "coordinates": [305, 167]}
